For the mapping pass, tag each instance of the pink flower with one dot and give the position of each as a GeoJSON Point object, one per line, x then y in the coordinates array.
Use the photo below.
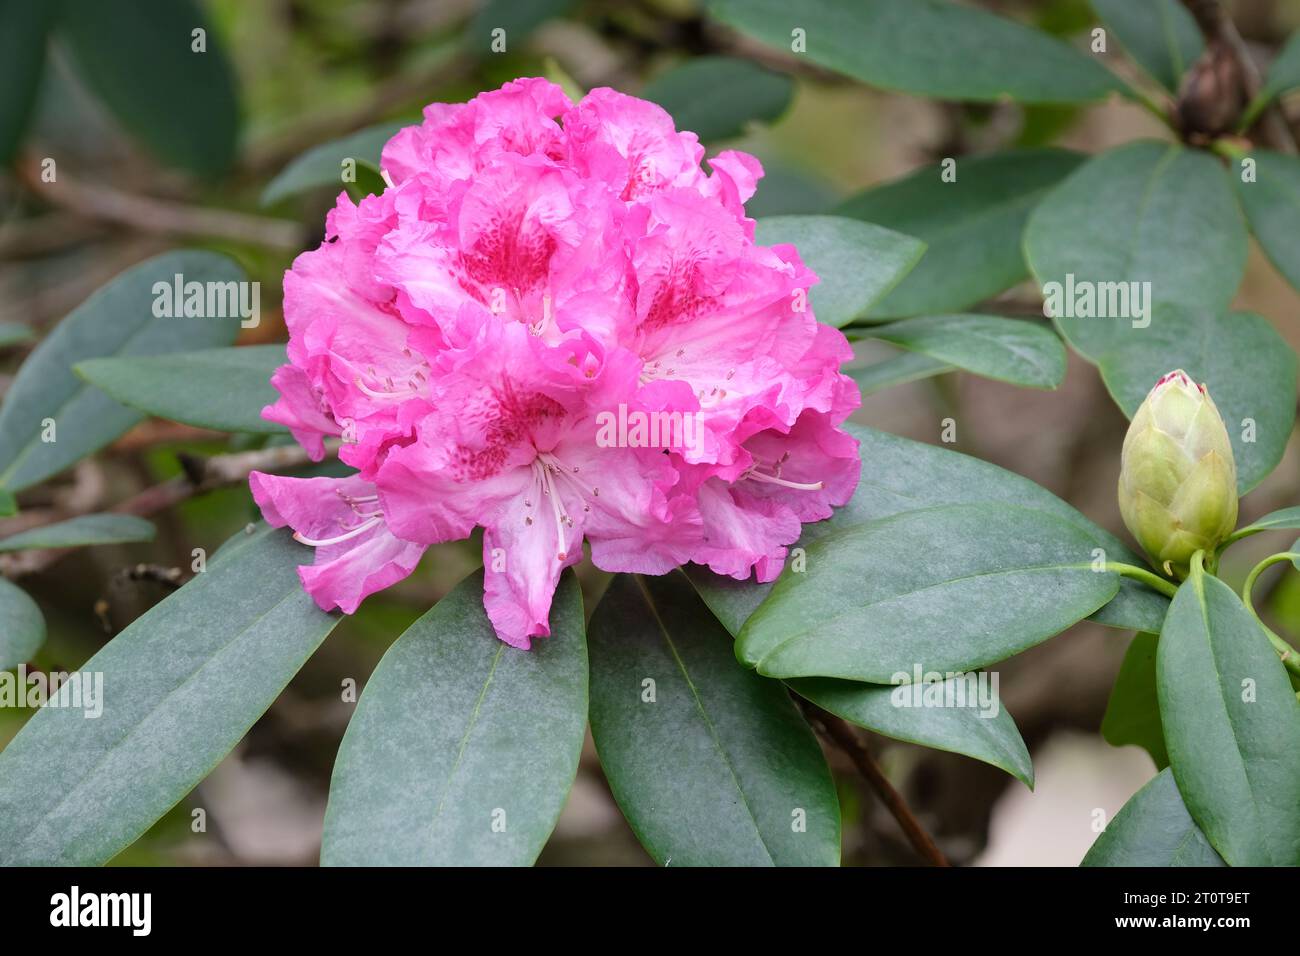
{"type": "Point", "coordinates": [538, 275]}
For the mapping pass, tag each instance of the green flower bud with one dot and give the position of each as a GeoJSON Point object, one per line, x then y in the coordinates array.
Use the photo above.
{"type": "Point", "coordinates": [1177, 479]}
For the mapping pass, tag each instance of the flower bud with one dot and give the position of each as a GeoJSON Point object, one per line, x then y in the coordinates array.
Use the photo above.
{"type": "Point", "coordinates": [1178, 479]}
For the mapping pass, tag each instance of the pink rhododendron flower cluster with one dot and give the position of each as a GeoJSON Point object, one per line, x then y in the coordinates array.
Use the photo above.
{"type": "Point", "coordinates": [555, 326]}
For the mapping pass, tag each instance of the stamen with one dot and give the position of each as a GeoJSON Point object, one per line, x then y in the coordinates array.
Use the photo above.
{"type": "Point", "coordinates": [774, 480]}
{"type": "Point", "coordinates": [561, 518]}
{"type": "Point", "coordinates": [322, 542]}
{"type": "Point", "coordinates": [375, 393]}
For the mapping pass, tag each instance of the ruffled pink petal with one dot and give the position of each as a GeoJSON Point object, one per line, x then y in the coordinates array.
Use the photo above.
{"type": "Point", "coordinates": [356, 555]}
{"type": "Point", "coordinates": [302, 410]}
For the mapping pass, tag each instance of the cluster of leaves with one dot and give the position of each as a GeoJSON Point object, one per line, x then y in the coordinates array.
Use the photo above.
{"type": "Point", "coordinates": [462, 750]}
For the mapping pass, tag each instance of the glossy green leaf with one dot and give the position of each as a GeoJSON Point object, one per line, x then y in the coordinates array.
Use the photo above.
{"type": "Point", "coordinates": [116, 320]}
{"type": "Point", "coordinates": [224, 389]}
{"type": "Point", "coordinates": [1009, 350]}
{"type": "Point", "coordinates": [1231, 723]}
{"type": "Point", "coordinates": [139, 58]}
{"type": "Point", "coordinates": [1123, 217]}
{"type": "Point", "coordinates": [964, 730]}
{"type": "Point", "coordinates": [1153, 829]}
{"type": "Point", "coordinates": [980, 729]}
{"type": "Point", "coordinates": [1249, 369]}
{"type": "Point", "coordinates": [950, 588]}
{"type": "Point", "coordinates": [180, 687]}
{"type": "Point", "coordinates": [8, 505]}
{"type": "Point", "coordinates": [1272, 206]}
{"type": "Point", "coordinates": [1136, 607]}
{"type": "Point", "coordinates": [1282, 519]}
{"type": "Point", "coordinates": [928, 47]}
{"type": "Point", "coordinates": [896, 370]}
{"type": "Point", "coordinates": [972, 226]}
{"type": "Point", "coordinates": [22, 626]}
{"type": "Point", "coordinates": [900, 475]}
{"type": "Point", "coordinates": [81, 531]}
{"type": "Point", "coordinates": [787, 189]}
{"type": "Point", "coordinates": [716, 97]}
{"type": "Point", "coordinates": [1159, 34]}
{"type": "Point", "coordinates": [1133, 713]}
{"type": "Point", "coordinates": [856, 262]}
{"type": "Point", "coordinates": [462, 749]}
{"type": "Point", "coordinates": [711, 764]}
{"type": "Point", "coordinates": [22, 51]}
{"type": "Point", "coordinates": [11, 333]}
{"type": "Point", "coordinates": [324, 165]}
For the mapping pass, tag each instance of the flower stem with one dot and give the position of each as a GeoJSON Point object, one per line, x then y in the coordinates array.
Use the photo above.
{"type": "Point", "coordinates": [1290, 656]}
{"type": "Point", "coordinates": [1167, 588]}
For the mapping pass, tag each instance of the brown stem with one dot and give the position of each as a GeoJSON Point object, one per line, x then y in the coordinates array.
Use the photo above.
{"type": "Point", "coordinates": [149, 215]}
{"type": "Point", "coordinates": [272, 153]}
{"type": "Point", "coordinates": [846, 738]}
{"type": "Point", "coordinates": [200, 475]}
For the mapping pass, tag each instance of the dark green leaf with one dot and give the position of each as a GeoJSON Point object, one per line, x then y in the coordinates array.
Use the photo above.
{"type": "Point", "coordinates": [1153, 829]}
{"type": "Point", "coordinates": [1124, 217]}
{"type": "Point", "coordinates": [1135, 608]}
{"type": "Point", "coordinates": [928, 47]}
{"type": "Point", "coordinates": [711, 764]}
{"type": "Point", "coordinates": [900, 475]}
{"type": "Point", "coordinates": [463, 749]}
{"type": "Point", "coordinates": [983, 730]}
{"type": "Point", "coordinates": [83, 530]}
{"type": "Point", "coordinates": [117, 320]}
{"type": "Point", "coordinates": [1285, 518]}
{"type": "Point", "coordinates": [1133, 713]}
{"type": "Point", "coordinates": [516, 19]}
{"type": "Point", "coordinates": [716, 97]}
{"type": "Point", "coordinates": [22, 51]}
{"type": "Point", "coordinates": [1247, 366]}
{"type": "Point", "coordinates": [139, 59]}
{"type": "Point", "coordinates": [22, 626]}
{"type": "Point", "coordinates": [856, 262]}
{"type": "Point", "coordinates": [323, 165]}
{"type": "Point", "coordinates": [1159, 34]}
{"type": "Point", "coordinates": [786, 190]}
{"type": "Point", "coordinates": [224, 389]}
{"type": "Point", "coordinates": [1231, 723]}
{"type": "Point", "coordinates": [972, 226]}
{"type": "Point", "coordinates": [180, 687]}
{"type": "Point", "coordinates": [898, 370]}
{"type": "Point", "coordinates": [951, 589]}
{"type": "Point", "coordinates": [1272, 205]}
{"type": "Point", "coordinates": [995, 740]}
{"type": "Point", "coordinates": [1009, 350]}
{"type": "Point", "coordinates": [1283, 75]}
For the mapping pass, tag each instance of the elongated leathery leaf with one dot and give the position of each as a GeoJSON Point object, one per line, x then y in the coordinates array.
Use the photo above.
{"type": "Point", "coordinates": [1133, 712]}
{"type": "Point", "coordinates": [178, 689]}
{"type": "Point", "coordinates": [928, 47]}
{"type": "Point", "coordinates": [81, 531]}
{"type": "Point", "coordinates": [1153, 829]}
{"type": "Point", "coordinates": [900, 475]}
{"type": "Point", "coordinates": [22, 626]}
{"type": "Point", "coordinates": [1231, 721]}
{"type": "Point", "coordinates": [223, 389]}
{"type": "Point", "coordinates": [462, 749]}
{"type": "Point", "coordinates": [951, 588]}
{"type": "Point", "coordinates": [51, 418]}
{"type": "Point", "coordinates": [710, 763]}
